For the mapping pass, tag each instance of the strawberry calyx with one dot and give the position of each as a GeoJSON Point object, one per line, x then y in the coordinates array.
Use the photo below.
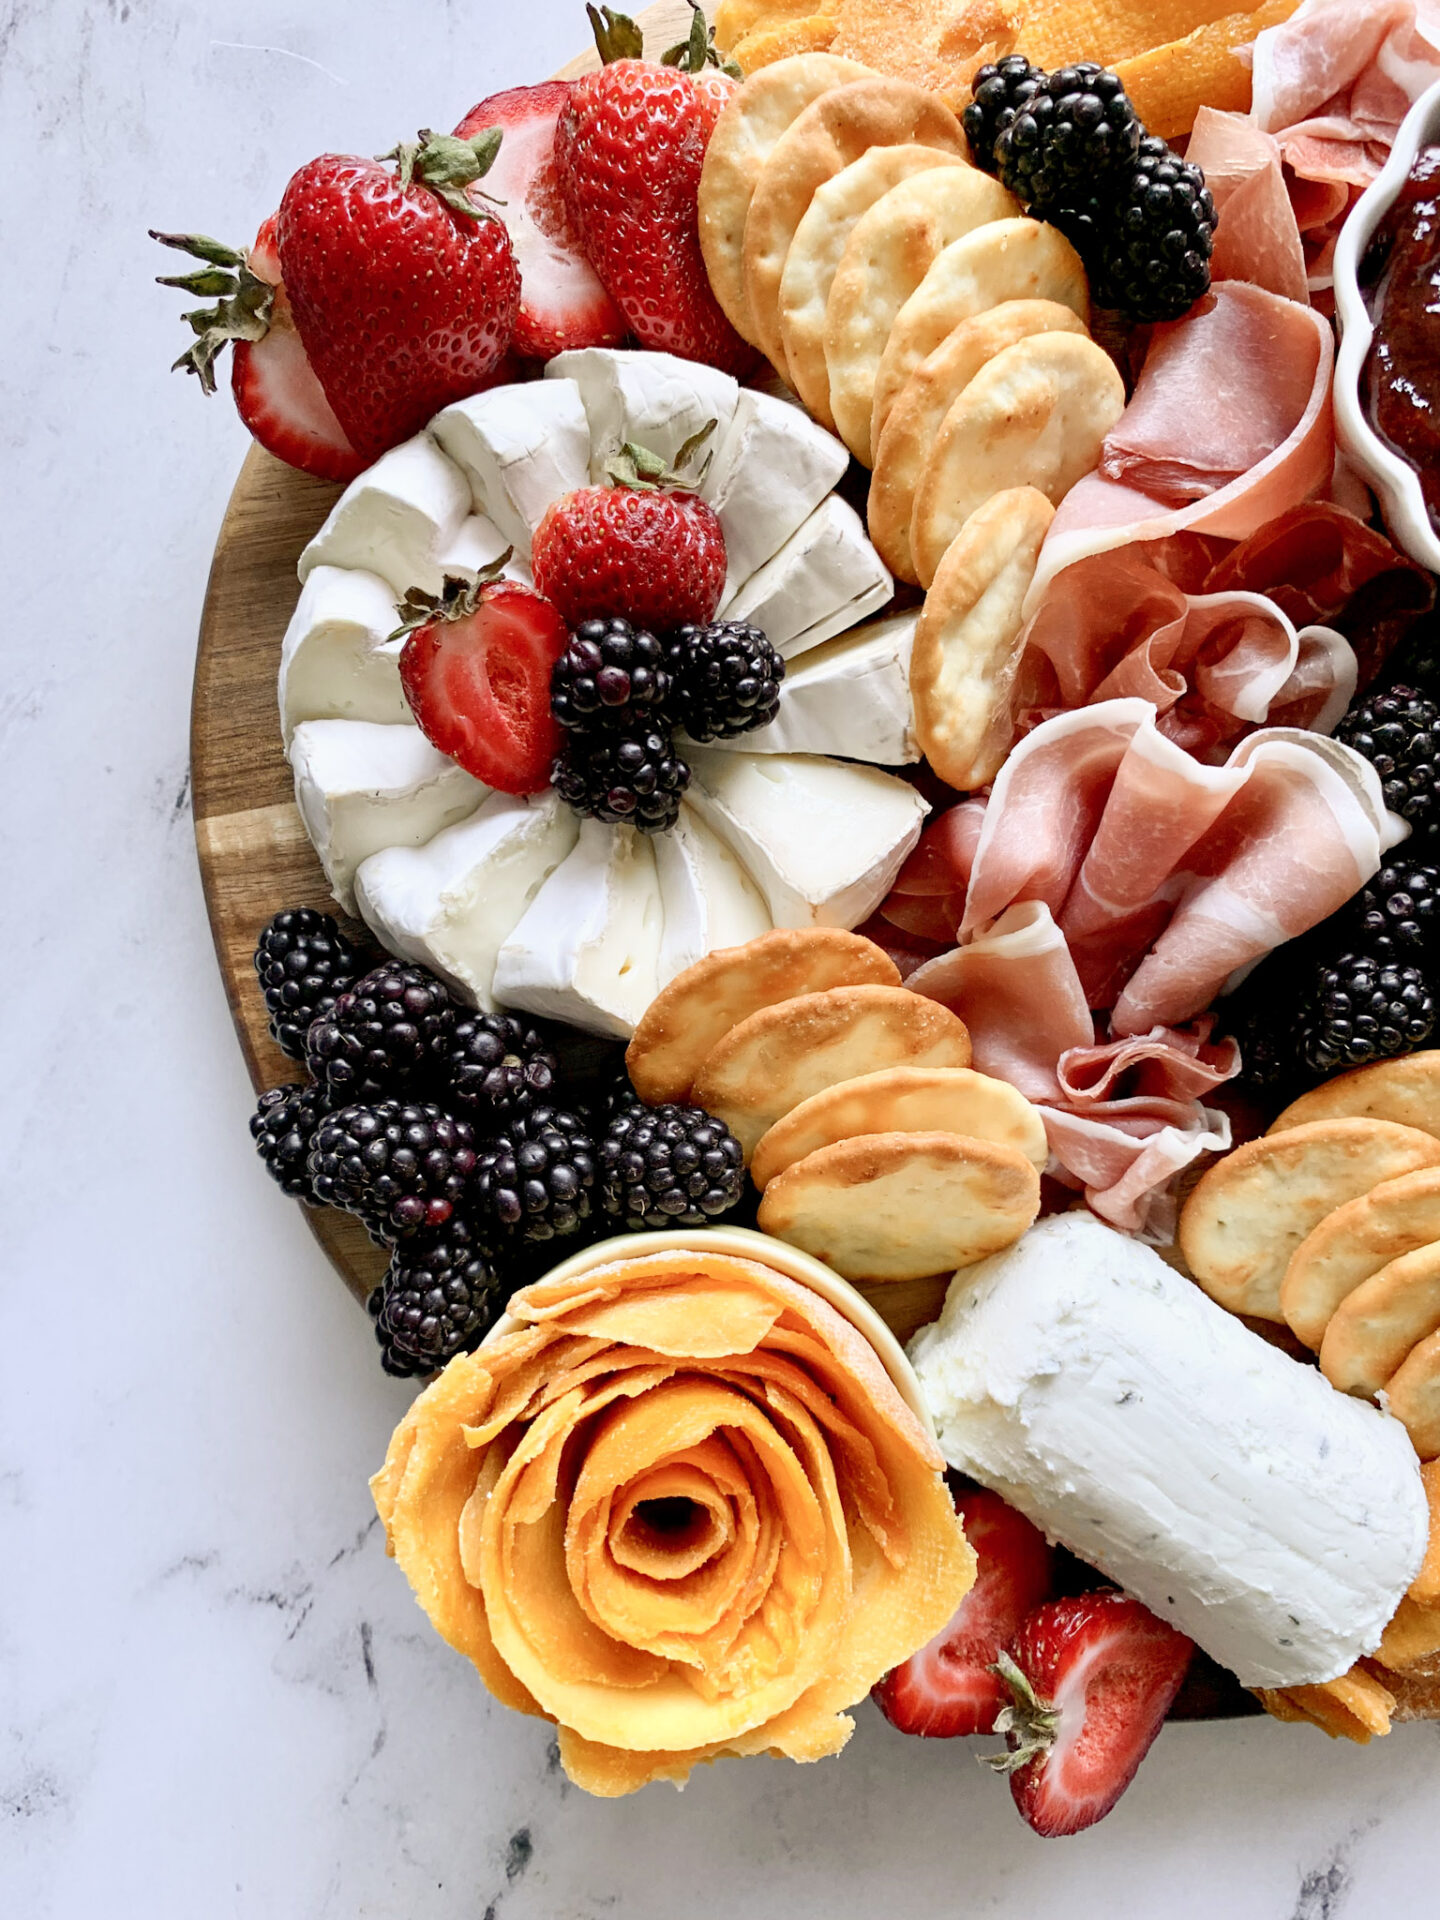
{"type": "Point", "coordinates": [1029, 1723]}
{"type": "Point", "coordinates": [243, 301]}
{"type": "Point", "coordinates": [449, 166]}
{"type": "Point", "coordinates": [616, 35]}
{"type": "Point", "coordinates": [636, 467]}
{"type": "Point", "coordinates": [698, 50]}
{"type": "Point", "coordinates": [457, 599]}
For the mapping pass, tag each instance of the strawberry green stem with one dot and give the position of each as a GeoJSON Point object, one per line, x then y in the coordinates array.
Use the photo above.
{"type": "Point", "coordinates": [1029, 1723]}
{"type": "Point", "coordinates": [243, 301]}
{"type": "Point", "coordinates": [698, 50]}
{"type": "Point", "coordinates": [457, 599]}
{"type": "Point", "coordinates": [448, 166]}
{"type": "Point", "coordinates": [616, 35]}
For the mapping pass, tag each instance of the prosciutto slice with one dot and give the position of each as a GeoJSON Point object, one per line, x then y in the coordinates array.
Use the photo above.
{"type": "Point", "coordinates": [1258, 238]}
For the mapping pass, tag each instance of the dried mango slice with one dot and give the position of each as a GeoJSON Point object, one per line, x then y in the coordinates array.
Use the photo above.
{"type": "Point", "coordinates": [1424, 1589]}
{"type": "Point", "coordinates": [1169, 84]}
{"type": "Point", "coordinates": [1412, 1636]}
{"type": "Point", "coordinates": [1354, 1707]}
{"type": "Point", "coordinates": [735, 20]}
{"type": "Point", "coordinates": [812, 33]}
{"type": "Point", "coordinates": [936, 43]}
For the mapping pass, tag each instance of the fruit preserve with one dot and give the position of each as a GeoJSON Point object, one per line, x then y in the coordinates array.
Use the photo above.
{"type": "Point", "coordinates": [1400, 278]}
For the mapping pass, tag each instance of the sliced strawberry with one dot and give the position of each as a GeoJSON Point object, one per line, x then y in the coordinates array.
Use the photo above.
{"type": "Point", "coordinates": [476, 671]}
{"type": "Point", "coordinates": [562, 303]}
{"type": "Point", "coordinates": [1092, 1678]}
{"type": "Point", "coordinates": [947, 1688]}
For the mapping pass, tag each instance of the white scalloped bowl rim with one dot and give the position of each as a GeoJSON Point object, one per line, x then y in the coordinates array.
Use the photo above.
{"type": "Point", "coordinates": [1393, 478]}
{"type": "Point", "coordinates": [745, 1244]}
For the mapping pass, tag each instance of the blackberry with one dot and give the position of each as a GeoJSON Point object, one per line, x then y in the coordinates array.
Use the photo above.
{"type": "Point", "coordinates": [282, 1127]}
{"type": "Point", "coordinates": [1398, 732]}
{"type": "Point", "coordinates": [670, 1166]}
{"type": "Point", "coordinates": [1152, 259]}
{"type": "Point", "coordinates": [608, 671]}
{"type": "Point", "coordinates": [1076, 132]}
{"type": "Point", "coordinates": [630, 777]}
{"type": "Point", "coordinates": [496, 1067]}
{"type": "Point", "coordinates": [997, 93]}
{"type": "Point", "coordinates": [1361, 1008]}
{"type": "Point", "coordinates": [536, 1180]}
{"type": "Point", "coordinates": [440, 1297]}
{"type": "Point", "coordinates": [304, 963]}
{"type": "Point", "coordinates": [1397, 917]}
{"type": "Point", "coordinates": [400, 1168]}
{"type": "Point", "coordinates": [383, 1035]}
{"type": "Point", "coordinates": [726, 679]}
{"type": "Point", "coordinates": [1416, 660]}
{"type": "Point", "coordinates": [1260, 1016]}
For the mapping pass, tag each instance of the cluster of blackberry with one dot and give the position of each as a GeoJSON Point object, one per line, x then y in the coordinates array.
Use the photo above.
{"type": "Point", "coordinates": [620, 693]}
{"type": "Point", "coordinates": [1070, 146]}
{"type": "Point", "coordinates": [449, 1135]}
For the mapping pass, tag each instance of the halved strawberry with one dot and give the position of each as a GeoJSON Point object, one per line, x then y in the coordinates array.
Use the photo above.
{"type": "Point", "coordinates": [1092, 1679]}
{"type": "Point", "coordinates": [476, 672]}
{"type": "Point", "coordinates": [562, 303]}
{"type": "Point", "coordinates": [948, 1688]}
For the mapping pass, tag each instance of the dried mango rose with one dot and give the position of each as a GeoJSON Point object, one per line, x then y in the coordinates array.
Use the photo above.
{"type": "Point", "coordinates": [681, 1510]}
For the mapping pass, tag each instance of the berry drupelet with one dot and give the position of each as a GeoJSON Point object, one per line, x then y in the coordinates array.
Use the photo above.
{"type": "Point", "coordinates": [671, 1166]}
{"type": "Point", "coordinates": [726, 679]}
{"type": "Point", "coordinates": [1361, 1008]}
{"type": "Point", "coordinates": [632, 776]}
{"type": "Point", "coordinates": [997, 94]}
{"type": "Point", "coordinates": [304, 963]}
{"type": "Point", "coordinates": [608, 671]}
{"type": "Point", "coordinates": [496, 1067]}
{"type": "Point", "coordinates": [440, 1297]}
{"type": "Point", "coordinates": [401, 1168]}
{"type": "Point", "coordinates": [1397, 917]}
{"type": "Point", "coordinates": [1076, 132]}
{"type": "Point", "coordinates": [384, 1035]}
{"type": "Point", "coordinates": [536, 1180]}
{"type": "Point", "coordinates": [1148, 251]}
{"type": "Point", "coordinates": [1398, 732]}
{"type": "Point", "coordinates": [283, 1127]}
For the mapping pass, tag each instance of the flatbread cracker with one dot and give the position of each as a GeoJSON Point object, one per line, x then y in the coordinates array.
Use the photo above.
{"type": "Point", "coordinates": [749, 125]}
{"type": "Point", "coordinates": [904, 1100]}
{"type": "Point", "coordinates": [1354, 1242]}
{"type": "Point", "coordinates": [1406, 1091]}
{"type": "Point", "coordinates": [899, 1206]}
{"type": "Point", "coordinates": [1251, 1210]}
{"type": "Point", "coordinates": [685, 1020]}
{"type": "Point", "coordinates": [816, 251]}
{"type": "Point", "coordinates": [1378, 1323]}
{"type": "Point", "coordinates": [831, 133]}
{"type": "Point", "coordinates": [1006, 260]}
{"type": "Point", "coordinates": [967, 644]}
{"type": "Point", "coordinates": [1412, 1394]}
{"type": "Point", "coordinates": [886, 257]}
{"type": "Point", "coordinates": [913, 425]}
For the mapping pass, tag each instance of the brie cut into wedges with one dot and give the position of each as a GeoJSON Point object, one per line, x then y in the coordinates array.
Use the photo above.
{"type": "Point", "coordinates": [337, 660]}
{"type": "Point", "coordinates": [520, 448]}
{"type": "Point", "coordinates": [398, 519]}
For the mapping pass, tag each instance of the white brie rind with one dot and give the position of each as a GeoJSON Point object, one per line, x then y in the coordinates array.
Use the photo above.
{"type": "Point", "coordinates": [361, 785]}
{"type": "Point", "coordinates": [450, 904]}
{"type": "Point", "coordinates": [653, 399]}
{"type": "Point", "coordinates": [822, 840]}
{"type": "Point", "coordinates": [850, 697]}
{"type": "Point", "coordinates": [709, 900]}
{"type": "Point", "coordinates": [520, 448]}
{"type": "Point", "coordinates": [825, 578]}
{"type": "Point", "coordinates": [337, 660]}
{"type": "Point", "coordinates": [770, 472]}
{"type": "Point", "coordinates": [476, 548]}
{"type": "Point", "coordinates": [397, 519]}
{"type": "Point", "coordinates": [1230, 1488]}
{"type": "Point", "coordinates": [588, 949]}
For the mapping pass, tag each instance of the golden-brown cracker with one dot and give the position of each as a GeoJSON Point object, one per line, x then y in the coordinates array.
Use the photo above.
{"type": "Point", "coordinates": [1413, 1636]}
{"type": "Point", "coordinates": [815, 255]}
{"type": "Point", "coordinates": [811, 33]}
{"type": "Point", "coordinates": [1355, 1707]}
{"type": "Point", "coordinates": [899, 1206]}
{"type": "Point", "coordinates": [831, 133]}
{"type": "Point", "coordinates": [904, 1100]}
{"type": "Point", "coordinates": [760, 1069]}
{"type": "Point", "coordinates": [685, 1019]}
{"type": "Point", "coordinates": [1007, 260]}
{"type": "Point", "coordinates": [1424, 1589]}
{"type": "Point", "coordinates": [914, 421]}
{"type": "Point", "coordinates": [1405, 1090]}
{"type": "Point", "coordinates": [936, 43]}
{"type": "Point", "coordinates": [889, 252]}
{"type": "Point", "coordinates": [1377, 1323]}
{"type": "Point", "coordinates": [750, 123]}
{"type": "Point", "coordinates": [1412, 1394]}
{"type": "Point", "coordinates": [967, 643]}
{"type": "Point", "coordinates": [1352, 1243]}
{"type": "Point", "coordinates": [1251, 1210]}
{"type": "Point", "coordinates": [736, 19]}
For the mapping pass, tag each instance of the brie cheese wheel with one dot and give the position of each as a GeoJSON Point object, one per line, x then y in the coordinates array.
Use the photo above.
{"type": "Point", "coordinates": [850, 697]}
{"type": "Point", "coordinates": [826, 577]}
{"type": "Point", "coordinates": [1274, 1520]}
{"type": "Point", "coordinates": [476, 548]}
{"type": "Point", "coordinates": [361, 786]}
{"type": "Point", "coordinates": [450, 904]}
{"type": "Point", "coordinates": [520, 448]}
{"type": "Point", "coordinates": [588, 949]}
{"type": "Point", "coordinates": [337, 660]}
{"type": "Point", "coordinates": [397, 519]}
{"type": "Point", "coordinates": [822, 840]}
{"type": "Point", "coordinates": [709, 900]}
{"type": "Point", "coordinates": [770, 472]}
{"type": "Point", "coordinates": [654, 399]}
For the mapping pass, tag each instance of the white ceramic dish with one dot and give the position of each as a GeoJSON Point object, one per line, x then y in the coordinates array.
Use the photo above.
{"type": "Point", "coordinates": [769, 1252]}
{"type": "Point", "coordinates": [1393, 479]}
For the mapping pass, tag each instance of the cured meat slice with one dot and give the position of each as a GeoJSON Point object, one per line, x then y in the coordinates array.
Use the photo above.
{"type": "Point", "coordinates": [1125, 1155]}
{"type": "Point", "coordinates": [1258, 238]}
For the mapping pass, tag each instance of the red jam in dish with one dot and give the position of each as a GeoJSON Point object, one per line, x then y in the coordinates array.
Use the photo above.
{"type": "Point", "coordinates": [1400, 278]}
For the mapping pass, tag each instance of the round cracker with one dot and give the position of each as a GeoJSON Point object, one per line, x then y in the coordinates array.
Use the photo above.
{"type": "Point", "coordinates": [914, 421]}
{"type": "Point", "coordinates": [686, 1018]}
{"type": "Point", "coordinates": [1376, 1325]}
{"type": "Point", "coordinates": [899, 1206]}
{"type": "Point", "coordinates": [1354, 1242]}
{"type": "Point", "coordinates": [904, 1100]}
{"type": "Point", "coordinates": [816, 251]}
{"type": "Point", "coordinates": [1036, 415]}
{"type": "Point", "coordinates": [887, 256]}
{"type": "Point", "coordinates": [1413, 1396]}
{"type": "Point", "coordinates": [750, 123]}
{"type": "Point", "coordinates": [1005, 260]}
{"type": "Point", "coordinates": [967, 643]}
{"type": "Point", "coordinates": [1406, 1091]}
{"type": "Point", "coordinates": [783, 1054]}
{"type": "Point", "coordinates": [831, 133]}
{"type": "Point", "coordinates": [1251, 1210]}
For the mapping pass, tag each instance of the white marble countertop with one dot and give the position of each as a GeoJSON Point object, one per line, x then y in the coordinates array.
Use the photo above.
{"type": "Point", "coordinates": [218, 1697]}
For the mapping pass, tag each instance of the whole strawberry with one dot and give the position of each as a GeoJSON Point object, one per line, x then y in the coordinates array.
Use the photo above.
{"type": "Point", "coordinates": [403, 285]}
{"type": "Point", "coordinates": [629, 146]}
